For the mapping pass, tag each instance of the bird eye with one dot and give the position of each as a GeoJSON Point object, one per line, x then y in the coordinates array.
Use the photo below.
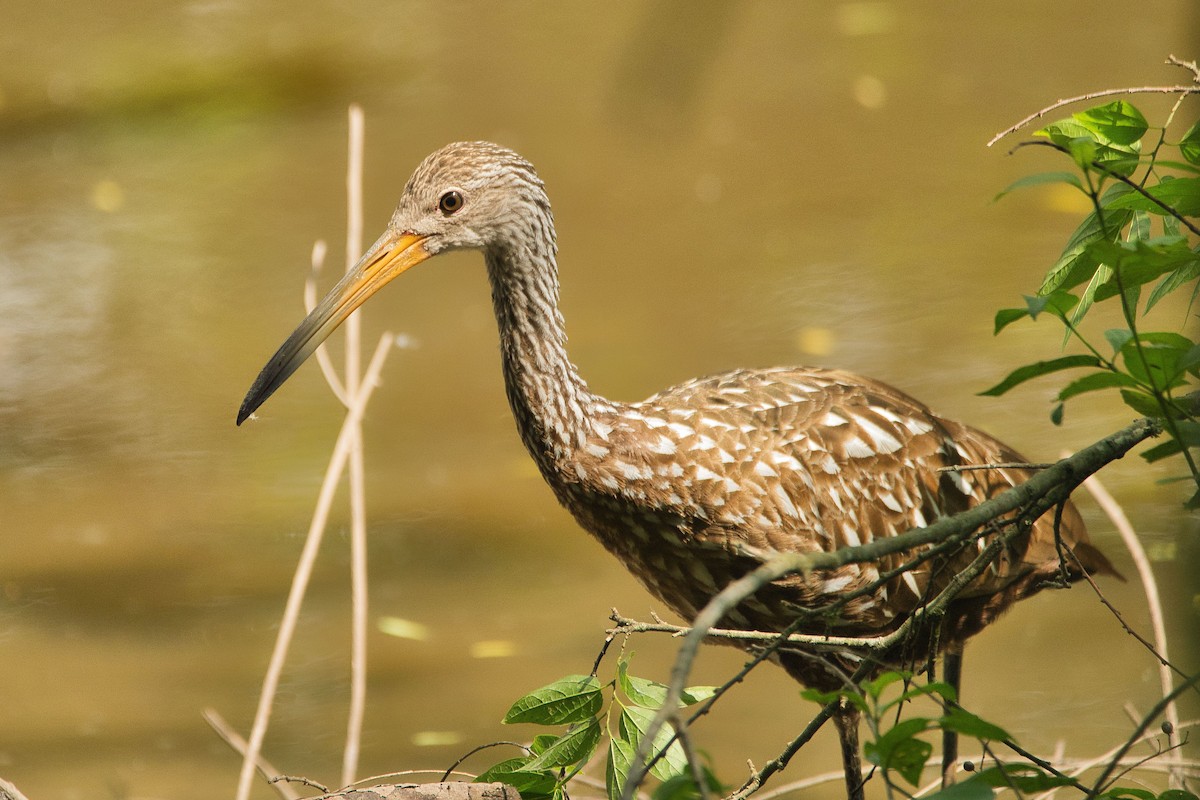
{"type": "Point", "coordinates": [450, 202]}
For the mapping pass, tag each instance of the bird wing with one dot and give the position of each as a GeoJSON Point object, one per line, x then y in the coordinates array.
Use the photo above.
{"type": "Point", "coordinates": [812, 460]}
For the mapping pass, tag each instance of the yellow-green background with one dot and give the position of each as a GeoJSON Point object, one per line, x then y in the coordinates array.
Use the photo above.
{"type": "Point", "coordinates": [735, 184]}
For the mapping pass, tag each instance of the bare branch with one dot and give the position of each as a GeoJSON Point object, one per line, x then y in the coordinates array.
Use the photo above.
{"type": "Point", "coordinates": [232, 738]}
{"type": "Point", "coordinates": [1092, 96]}
{"type": "Point", "coordinates": [428, 791]}
{"type": "Point", "coordinates": [10, 792]}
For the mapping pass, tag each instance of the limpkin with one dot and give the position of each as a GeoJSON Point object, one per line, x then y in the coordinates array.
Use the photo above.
{"type": "Point", "coordinates": [683, 484]}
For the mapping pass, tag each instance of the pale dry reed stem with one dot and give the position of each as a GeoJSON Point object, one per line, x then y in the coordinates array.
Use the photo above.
{"type": "Point", "coordinates": [310, 302]}
{"type": "Point", "coordinates": [308, 556]}
{"type": "Point", "coordinates": [234, 739]}
{"type": "Point", "coordinates": [358, 505]}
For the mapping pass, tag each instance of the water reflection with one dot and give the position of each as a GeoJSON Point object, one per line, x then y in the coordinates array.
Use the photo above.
{"type": "Point", "coordinates": [147, 543]}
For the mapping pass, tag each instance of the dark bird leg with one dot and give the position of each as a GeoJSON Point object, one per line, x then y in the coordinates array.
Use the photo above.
{"type": "Point", "coordinates": [846, 719]}
{"type": "Point", "coordinates": [952, 673]}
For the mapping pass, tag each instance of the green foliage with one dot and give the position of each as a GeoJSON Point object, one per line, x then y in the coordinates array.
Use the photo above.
{"type": "Point", "coordinates": [1139, 244]}
{"type": "Point", "coordinates": [578, 702]}
{"type": "Point", "coordinates": [574, 698]}
{"type": "Point", "coordinates": [1126, 793]}
{"type": "Point", "coordinates": [898, 745]}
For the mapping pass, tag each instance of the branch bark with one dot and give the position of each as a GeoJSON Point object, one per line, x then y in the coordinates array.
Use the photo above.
{"type": "Point", "coordinates": [456, 790]}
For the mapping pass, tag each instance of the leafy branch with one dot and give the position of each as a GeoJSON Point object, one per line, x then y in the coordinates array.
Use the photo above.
{"type": "Point", "coordinates": [1142, 232]}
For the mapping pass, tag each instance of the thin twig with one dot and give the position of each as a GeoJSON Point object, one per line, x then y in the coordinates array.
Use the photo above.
{"type": "Point", "coordinates": [450, 769]}
{"type": "Point", "coordinates": [1007, 465]}
{"type": "Point", "coordinates": [1129, 629]}
{"type": "Point", "coordinates": [358, 503]}
{"type": "Point", "coordinates": [1092, 96]}
{"type": "Point", "coordinates": [1142, 563]}
{"type": "Point", "coordinates": [310, 302]}
{"type": "Point", "coordinates": [284, 780]}
{"type": "Point", "coordinates": [693, 759]}
{"type": "Point", "coordinates": [1139, 731]}
{"type": "Point", "coordinates": [1190, 66]}
{"type": "Point", "coordinates": [304, 568]}
{"type": "Point", "coordinates": [757, 779]}
{"type": "Point", "coordinates": [232, 738]}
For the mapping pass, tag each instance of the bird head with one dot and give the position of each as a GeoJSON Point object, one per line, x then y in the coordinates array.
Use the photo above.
{"type": "Point", "coordinates": [467, 195]}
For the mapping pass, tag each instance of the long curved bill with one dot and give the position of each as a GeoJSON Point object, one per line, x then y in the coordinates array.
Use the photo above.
{"type": "Point", "coordinates": [394, 253]}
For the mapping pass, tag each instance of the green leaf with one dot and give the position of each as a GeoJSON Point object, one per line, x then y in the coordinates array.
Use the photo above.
{"type": "Point", "coordinates": [1139, 227]}
{"type": "Point", "coordinates": [541, 742]}
{"type": "Point", "coordinates": [633, 724]}
{"type": "Point", "coordinates": [1076, 264]}
{"type": "Point", "coordinates": [875, 687]}
{"type": "Point", "coordinates": [651, 694]}
{"type": "Point", "coordinates": [1126, 792]}
{"type": "Point", "coordinates": [1189, 145]}
{"type": "Point", "coordinates": [696, 694]}
{"type": "Point", "coordinates": [1165, 450]}
{"type": "Point", "coordinates": [1181, 166]}
{"type": "Point", "coordinates": [642, 692]}
{"type": "Point", "coordinates": [825, 698]}
{"type": "Point", "coordinates": [1189, 436]}
{"type": "Point", "coordinates": [1064, 130]}
{"type": "Point", "coordinates": [1178, 195]}
{"type": "Point", "coordinates": [1158, 358]}
{"type": "Point", "coordinates": [620, 758]}
{"type": "Point", "coordinates": [966, 723]}
{"type": "Point", "coordinates": [573, 747]}
{"type": "Point", "coordinates": [1007, 316]}
{"type": "Point", "coordinates": [1030, 371]}
{"type": "Point", "coordinates": [1142, 261]}
{"type": "Point", "coordinates": [1084, 149]}
{"type": "Point", "coordinates": [531, 785]}
{"type": "Point", "coordinates": [1056, 413]}
{"type": "Point", "coordinates": [1101, 276]}
{"type": "Point", "coordinates": [572, 699]}
{"type": "Point", "coordinates": [899, 750]}
{"type": "Point", "coordinates": [1040, 178]}
{"type": "Point", "coordinates": [1058, 302]}
{"type": "Point", "coordinates": [1177, 794]}
{"type": "Point", "coordinates": [943, 690]}
{"type": "Point", "coordinates": [1117, 337]}
{"type": "Point", "coordinates": [1094, 382]}
{"type": "Point", "coordinates": [683, 787]}
{"type": "Point", "coordinates": [1142, 403]}
{"type": "Point", "coordinates": [1118, 122]}
{"type": "Point", "coordinates": [1173, 281]}
{"type": "Point", "coordinates": [970, 789]}
{"type": "Point", "coordinates": [1193, 502]}
{"type": "Point", "coordinates": [1022, 777]}
{"type": "Point", "coordinates": [1088, 140]}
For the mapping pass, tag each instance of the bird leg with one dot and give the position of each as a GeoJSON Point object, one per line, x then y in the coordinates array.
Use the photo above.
{"type": "Point", "coordinates": [952, 673]}
{"type": "Point", "coordinates": [846, 719]}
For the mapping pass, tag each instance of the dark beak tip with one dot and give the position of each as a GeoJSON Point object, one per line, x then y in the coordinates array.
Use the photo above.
{"type": "Point", "coordinates": [247, 409]}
